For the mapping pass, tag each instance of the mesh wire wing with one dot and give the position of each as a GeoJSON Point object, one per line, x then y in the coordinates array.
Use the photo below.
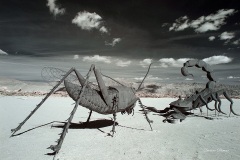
{"type": "Point", "coordinates": [53, 75]}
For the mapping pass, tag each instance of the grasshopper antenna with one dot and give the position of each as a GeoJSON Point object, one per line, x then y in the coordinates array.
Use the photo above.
{"type": "Point", "coordinates": [112, 79]}
{"type": "Point", "coordinates": [145, 76]}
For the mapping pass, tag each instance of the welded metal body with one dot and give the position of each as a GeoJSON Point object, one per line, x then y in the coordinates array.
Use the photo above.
{"type": "Point", "coordinates": [103, 99]}
{"type": "Point", "coordinates": [193, 101]}
{"type": "Point", "coordinates": [123, 98]}
{"type": "Point", "coordinates": [179, 107]}
{"type": "Point", "coordinates": [207, 95]}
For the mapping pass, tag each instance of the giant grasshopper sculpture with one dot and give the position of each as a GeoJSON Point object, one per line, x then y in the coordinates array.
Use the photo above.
{"type": "Point", "coordinates": [178, 109]}
{"type": "Point", "coordinates": [101, 99]}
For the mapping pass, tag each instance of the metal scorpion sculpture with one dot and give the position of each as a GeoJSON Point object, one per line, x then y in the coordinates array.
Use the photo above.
{"type": "Point", "coordinates": [104, 100]}
{"type": "Point", "coordinates": [178, 109]}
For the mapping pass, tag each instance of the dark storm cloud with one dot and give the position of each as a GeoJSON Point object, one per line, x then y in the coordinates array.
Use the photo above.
{"type": "Point", "coordinates": [34, 28]}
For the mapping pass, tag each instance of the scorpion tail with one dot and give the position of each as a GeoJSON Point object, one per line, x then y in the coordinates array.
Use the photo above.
{"type": "Point", "coordinates": [199, 64]}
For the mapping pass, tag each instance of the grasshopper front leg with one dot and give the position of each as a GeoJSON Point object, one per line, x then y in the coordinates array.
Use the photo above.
{"type": "Point", "coordinates": [114, 124]}
{"type": "Point", "coordinates": [145, 113]}
{"type": "Point", "coordinates": [57, 147]}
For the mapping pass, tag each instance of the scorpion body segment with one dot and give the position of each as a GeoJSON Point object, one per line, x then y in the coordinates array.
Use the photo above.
{"type": "Point", "coordinates": [199, 64]}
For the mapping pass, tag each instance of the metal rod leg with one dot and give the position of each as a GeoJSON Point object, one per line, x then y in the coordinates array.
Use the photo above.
{"type": "Point", "coordinates": [145, 113]}
{"type": "Point", "coordinates": [219, 104]}
{"type": "Point", "coordinates": [207, 112]}
{"type": "Point", "coordinates": [57, 147]}
{"type": "Point", "coordinates": [215, 104]}
{"type": "Point", "coordinates": [89, 117]}
{"type": "Point", "coordinates": [230, 100]}
{"type": "Point", "coordinates": [114, 124]}
{"type": "Point", "coordinates": [38, 106]}
{"type": "Point", "coordinates": [200, 109]}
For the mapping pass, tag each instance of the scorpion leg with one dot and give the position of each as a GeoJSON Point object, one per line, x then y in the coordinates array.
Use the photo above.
{"type": "Point", "coordinates": [161, 112]}
{"type": "Point", "coordinates": [174, 117]}
{"type": "Point", "coordinates": [219, 104]}
{"type": "Point", "coordinates": [179, 114]}
{"type": "Point", "coordinates": [209, 108]}
{"type": "Point", "coordinates": [57, 147]}
{"type": "Point", "coordinates": [215, 104]}
{"type": "Point", "coordinates": [196, 103]}
{"type": "Point", "coordinates": [228, 98]}
{"type": "Point", "coordinates": [200, 109]}
{"type": "Point", "coordinates": [215, 99]}
{"type": "Point", "coordinates": [205, 102]}
{"type": "Point", "coordinates": [43, 100]}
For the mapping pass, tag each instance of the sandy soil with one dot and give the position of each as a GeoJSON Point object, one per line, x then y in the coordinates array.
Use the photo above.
{"type": "Point", "coordinates": [194, 138]}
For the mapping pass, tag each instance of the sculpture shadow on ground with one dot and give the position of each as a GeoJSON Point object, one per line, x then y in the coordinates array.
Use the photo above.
{"type": "Point", "coordinates": [96, 124]}
{"type": "Point", "coordinates": [100, 123]}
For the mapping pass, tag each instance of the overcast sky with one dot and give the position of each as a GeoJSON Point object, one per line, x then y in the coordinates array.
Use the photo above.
{"type": "Point", "coordinates": [122, 32]}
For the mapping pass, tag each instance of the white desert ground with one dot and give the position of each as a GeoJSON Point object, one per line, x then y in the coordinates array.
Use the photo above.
{"type": "Point", "coordinates": [194, 138]}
